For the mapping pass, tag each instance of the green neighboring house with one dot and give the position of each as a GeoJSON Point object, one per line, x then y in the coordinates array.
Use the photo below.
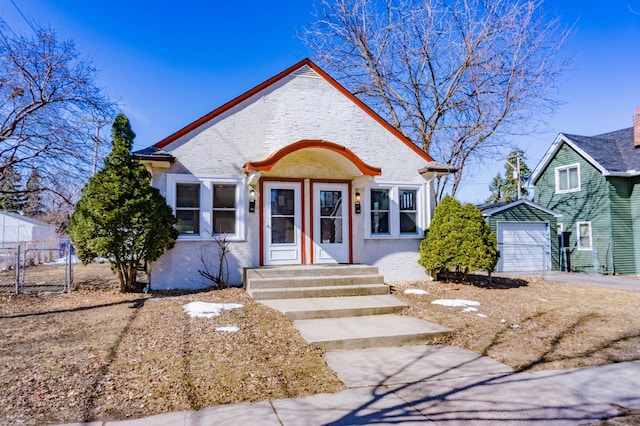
{"type": "Point", "coordinates": [594, 182]}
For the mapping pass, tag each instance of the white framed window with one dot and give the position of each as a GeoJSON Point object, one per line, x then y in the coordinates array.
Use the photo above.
{"type": "Point", "coordinates": [187, 208]}
{"type": "Point", "coordinates": [394, 211]}
{"type": "Point", "coordinates": [584, 235]}
{"type": "Point", "coordinates": [568, 178]}
{"type": "Point", "coordinates": [408, 205]}
{"type": "Point", "coordinates": [224, 208]}
{"type": "Point", "coordinates": [207, 206]}
{"type": "Point", "coordinates": [379, 207]}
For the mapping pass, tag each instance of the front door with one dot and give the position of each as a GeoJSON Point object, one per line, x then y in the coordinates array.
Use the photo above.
{"type": "Point", "coordinates": [282, 211]}
{"type": "Point", "coordinates": [331, 223]}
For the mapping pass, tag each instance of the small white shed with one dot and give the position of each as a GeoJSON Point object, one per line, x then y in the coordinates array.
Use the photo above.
{"type": "Point", "coordinates": [15, 228]}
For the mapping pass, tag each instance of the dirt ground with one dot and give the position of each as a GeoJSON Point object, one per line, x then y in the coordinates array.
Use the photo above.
{"type": "Point", "coordinates": [98, 354]}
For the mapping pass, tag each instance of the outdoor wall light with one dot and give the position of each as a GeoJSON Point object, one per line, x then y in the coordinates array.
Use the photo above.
{"type": "Point", "coordinates": [358, 206]}
{"type": "Point", "coordinates": [252, 200]}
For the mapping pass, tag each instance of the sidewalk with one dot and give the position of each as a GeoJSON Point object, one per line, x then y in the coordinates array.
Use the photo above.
{"type": "Point", "coordinates": [439, 385]}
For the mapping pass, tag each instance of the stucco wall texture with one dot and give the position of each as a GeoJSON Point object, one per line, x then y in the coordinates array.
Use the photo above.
{"type": "Point", "coordinates": [301, 106]}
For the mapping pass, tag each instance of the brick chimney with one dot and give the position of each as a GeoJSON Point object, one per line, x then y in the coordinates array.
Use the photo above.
{"type": "Point", "coordinates": [636, 129]}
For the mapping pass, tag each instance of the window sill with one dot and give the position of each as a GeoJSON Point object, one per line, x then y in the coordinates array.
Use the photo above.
{"type": "Point", "coordinates": [393, 237]}
{"type": "Point", "coordinates": [567, 191]}
{"type": "Point", "coordinates": [232, 238]}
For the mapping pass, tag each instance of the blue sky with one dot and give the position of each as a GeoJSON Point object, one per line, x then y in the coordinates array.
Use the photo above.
{"type": "Point", "coordinates": [169, 63]}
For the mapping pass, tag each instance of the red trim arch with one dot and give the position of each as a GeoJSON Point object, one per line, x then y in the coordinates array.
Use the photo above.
{"type": "Point", "coordinates": [269, 162]}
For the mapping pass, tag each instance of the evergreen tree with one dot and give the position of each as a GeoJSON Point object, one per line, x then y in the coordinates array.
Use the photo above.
{"type": "Point", "coordinates": [496, 187]}
{"type": "Point", "coordinates": [510, 191]}
{"type": "Point", "coordinates": [11, 194]}
{"type": "Point", "coordinates": [33, 202]}
{"type": "Point", "coordinates": [506, 189]}
{"type": "Point", "coordinates": [458, 240]}
{"type": "Point", "coordinates": [120, 215]}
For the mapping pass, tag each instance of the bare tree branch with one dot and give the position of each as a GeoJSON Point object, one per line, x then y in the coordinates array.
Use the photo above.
{"type": "Point", "coordinates": [456, 76]}
{"type": "Point", "coordinates": [46, 94]}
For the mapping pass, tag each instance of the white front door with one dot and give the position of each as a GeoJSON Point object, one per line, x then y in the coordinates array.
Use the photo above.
{"type": "Point", "coordinates": [331, 222]}
{"type": "Point", "coordinates": [282, 212]}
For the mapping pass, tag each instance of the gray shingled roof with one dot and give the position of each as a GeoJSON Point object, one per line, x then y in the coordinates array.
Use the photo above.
{"type": "Point", "coordinates": [489, 209]}
{"type": "Point", "coordinates": [614, 151]}
{"type": "Point", "coordinates": [153, 153]}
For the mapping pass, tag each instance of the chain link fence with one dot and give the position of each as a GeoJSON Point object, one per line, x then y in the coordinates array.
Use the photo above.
{"type": "Point", "coordinates": [36, 267]}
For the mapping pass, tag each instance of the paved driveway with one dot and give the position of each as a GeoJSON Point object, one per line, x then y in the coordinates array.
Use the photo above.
{"type": "Point", "coordinates": [611, 281]}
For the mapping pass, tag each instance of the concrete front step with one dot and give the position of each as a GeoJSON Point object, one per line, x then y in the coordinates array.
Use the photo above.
{"type": "Point", "coordinates": [336, 307]}
{"type": "Point", "coordinates": [323, 291]}
{"type": "Point", "coordinates": [314, 281]}
{"type": "Point", "coordinates": [309, 270]}
{"type": "Point", "coordinates": [368, 331]}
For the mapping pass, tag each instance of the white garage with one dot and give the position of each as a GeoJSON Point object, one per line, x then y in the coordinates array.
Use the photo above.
{"type": "Point", "coordinates": [524, 233]}
{"type": "Point", "coordinates": [524, 246]}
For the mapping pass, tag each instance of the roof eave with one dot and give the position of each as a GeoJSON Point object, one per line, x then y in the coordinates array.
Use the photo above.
{"type": "Point", "coordinates": [490, 212]}
{"type": "Point", "coordinates": [435, 169]}
{"type": "Point", "coordinates": [305, 62]}
{"type": "Point", "coordinates": [151, 161]}
{"type": "Point", "coordinates": [550, 154]}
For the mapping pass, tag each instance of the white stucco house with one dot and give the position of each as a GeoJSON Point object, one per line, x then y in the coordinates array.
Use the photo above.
{"type": "Point", "coordinates": [296, 171]}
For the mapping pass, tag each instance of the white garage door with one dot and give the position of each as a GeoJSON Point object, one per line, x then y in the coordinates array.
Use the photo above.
{"type": "Point", "coordinates": [523, 246]}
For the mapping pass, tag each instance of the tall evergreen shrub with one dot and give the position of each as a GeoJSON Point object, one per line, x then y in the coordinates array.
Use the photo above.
{"type": "Point", "coordinates": [458, 240]}
{"type": "Point", "coordinates": [120, 215]}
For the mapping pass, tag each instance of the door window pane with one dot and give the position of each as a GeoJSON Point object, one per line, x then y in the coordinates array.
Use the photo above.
{"type": "Point", "coordinates": [283, 216]}
{"type": "Point", "coordinates": [282, 202]}
{"type": "Point", "coordinates": [283, 230]}
{"type": "Point", "coordinates": [331, 217]}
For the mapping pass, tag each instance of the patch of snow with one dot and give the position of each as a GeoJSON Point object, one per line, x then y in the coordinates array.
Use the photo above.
{"type": "Point", "coordinates": [231, 329]}
{"type": "Point", "coordinates": [482, 315]}
{"type": "Point", "coordinates": [455, 303]}
{"type": "Point", "coordinates": [63, 261]}
{"type": "Point", "coordinates": [208, 310]}
{"type": "Point", "coordinates": [415, 291]}
{"type": "Point", "coordinates": [515, 326]}
{"type": "Point", "coordinates": [470, 309]}
{"type": "Point", "coordinates": [504, 321]}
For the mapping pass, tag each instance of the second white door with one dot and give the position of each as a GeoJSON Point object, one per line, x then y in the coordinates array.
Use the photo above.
{"type": "Point", "coordinates": [331, 222]}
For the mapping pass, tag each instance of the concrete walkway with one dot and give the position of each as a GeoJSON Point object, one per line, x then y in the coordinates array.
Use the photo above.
{"type": "Point", "coordinates": [439, 385]}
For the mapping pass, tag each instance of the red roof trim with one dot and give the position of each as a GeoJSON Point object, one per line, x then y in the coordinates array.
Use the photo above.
{"type": "Point", "coordinates": [269, 162]}
{"type": "Point", "coordinates": [227, 106]}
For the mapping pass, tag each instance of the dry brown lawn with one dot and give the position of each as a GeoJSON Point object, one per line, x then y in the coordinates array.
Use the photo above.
{"type": "Point", "coordinates": [535, 325]}
{"type": "Point", "coordinates": [98, 354]}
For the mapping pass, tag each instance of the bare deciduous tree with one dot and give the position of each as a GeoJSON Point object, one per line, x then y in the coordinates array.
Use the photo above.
{"type": "Point", "coordinates": [455, 76]}
{"type": "Point", "coordinates": [47, 97]}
